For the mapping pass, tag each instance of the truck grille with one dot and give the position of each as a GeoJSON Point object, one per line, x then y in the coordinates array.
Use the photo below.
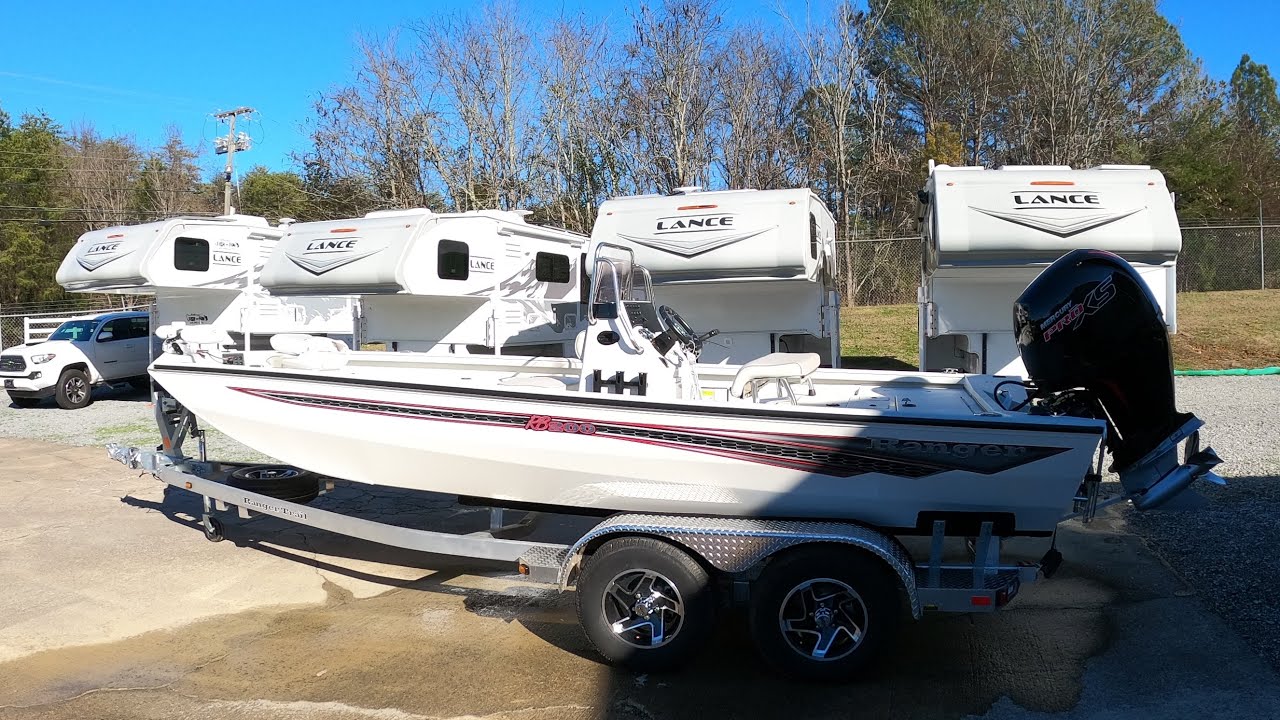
{"type": "Point", "coordinates": [12, 363]}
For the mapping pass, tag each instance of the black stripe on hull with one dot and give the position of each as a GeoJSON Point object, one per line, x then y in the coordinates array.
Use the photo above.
{"type": "Point", "coordinates": [834, 456]}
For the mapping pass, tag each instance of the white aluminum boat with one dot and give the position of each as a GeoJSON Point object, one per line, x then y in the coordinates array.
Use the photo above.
{"type": "Point", "coordinates": [635, 425]}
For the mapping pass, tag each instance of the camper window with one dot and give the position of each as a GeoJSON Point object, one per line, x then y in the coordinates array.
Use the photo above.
{"type": "Point", "coordinates": [813, 236]}
{"type": "Point", "coordinates": [550, 267]}
{"type": "Point", "coordinates": [191, 254]}
{"type": "Point", "coordinates": [452, 263]}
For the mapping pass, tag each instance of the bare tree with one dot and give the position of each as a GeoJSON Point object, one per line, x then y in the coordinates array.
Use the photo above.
{"type": "Point", "coordinates": [759, 88]}
{"type": "Point", "coordinates": [170, 180]}
{"type": "Point", "coordinates": [483, 70]}
{"type": "Point", "coordinates": [577, 127]}
{"type": "Point", "coordinates": [667, 94]}
{"type": "Point", "coordinates": [102, 176]}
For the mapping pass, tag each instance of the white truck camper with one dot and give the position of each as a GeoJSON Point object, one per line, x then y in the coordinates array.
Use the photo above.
{"type": "Point", "coordinates": [755, 264]}
{"type": "Point", "coordinates": [202, 271]}
{"type": "Point", "coordinates": [988, 233]}
{"type": "Point", "coordinates": [478, 282]}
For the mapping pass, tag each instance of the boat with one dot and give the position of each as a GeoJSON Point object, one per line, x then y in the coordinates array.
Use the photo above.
{"type": "Point", "coordinates": [634, 424]}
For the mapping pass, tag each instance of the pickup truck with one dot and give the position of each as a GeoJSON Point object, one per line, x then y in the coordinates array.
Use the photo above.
{"type": "Point", "coordinates": [81, 354]}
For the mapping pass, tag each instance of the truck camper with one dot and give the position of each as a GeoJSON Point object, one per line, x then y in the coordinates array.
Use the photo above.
{"type": "Point", "coordinates": [476, 282]}
{"type": "Point", "coordinates": [202, 271]}
{"type": "Point", "coordinates": [988, 233]}
{"type": "Point", "coordinates": [755, 264]}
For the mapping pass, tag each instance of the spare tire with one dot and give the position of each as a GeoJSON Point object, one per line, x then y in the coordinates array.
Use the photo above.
{"type": "Point", "coordinates": [282, 482]}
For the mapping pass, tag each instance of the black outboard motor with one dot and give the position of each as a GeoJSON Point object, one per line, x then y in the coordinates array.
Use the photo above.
{"type": "Point", "coordinates": [1093, 341]}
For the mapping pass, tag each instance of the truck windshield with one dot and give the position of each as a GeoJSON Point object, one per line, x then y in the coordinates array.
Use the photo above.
{"type": "Point", "coordinates": [74, 330]}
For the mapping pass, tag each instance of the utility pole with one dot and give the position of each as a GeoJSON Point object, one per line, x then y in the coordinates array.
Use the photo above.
{"type": "Point", "coordinates": [229, 145]}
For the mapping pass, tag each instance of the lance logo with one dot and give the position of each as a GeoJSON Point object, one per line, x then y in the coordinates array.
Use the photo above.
{"type": "Point", "coordinates": [100, 254]}
{"type": "Point", "coordinates": [1058, 213]}
{"type": "Point", "coordinates": [321, 256]}
{"type": "Point", "coordinates": [693, 235]}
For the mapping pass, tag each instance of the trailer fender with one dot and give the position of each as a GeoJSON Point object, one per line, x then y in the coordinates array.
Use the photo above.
{"type": "Point", "coordinates": [734, 545]}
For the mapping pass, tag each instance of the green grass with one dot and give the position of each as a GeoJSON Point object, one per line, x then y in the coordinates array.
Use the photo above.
{"type": "Point", "coordinates": [1216, 330]}
{"type": "Point", "coordinates": [879, 337]}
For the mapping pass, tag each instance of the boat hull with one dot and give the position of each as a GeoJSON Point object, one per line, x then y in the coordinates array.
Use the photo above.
{"type": "Point", "coordinates": [610, 453]}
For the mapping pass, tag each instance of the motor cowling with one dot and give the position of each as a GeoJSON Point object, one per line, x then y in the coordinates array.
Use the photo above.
{"type": "Point", "coordinates": [1090, 322]}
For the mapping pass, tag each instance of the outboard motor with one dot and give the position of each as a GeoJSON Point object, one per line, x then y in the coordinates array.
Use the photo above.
{"type": "Point", "coordinates": [1094, 342]}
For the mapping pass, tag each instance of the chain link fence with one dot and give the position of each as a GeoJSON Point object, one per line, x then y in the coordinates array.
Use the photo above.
{"type": "Point", "coordinates": [879, 271]}
{"type": "Point", "coordinates": [1237, 256]}
{"type": "Point", "coordinates": [1229, 257]}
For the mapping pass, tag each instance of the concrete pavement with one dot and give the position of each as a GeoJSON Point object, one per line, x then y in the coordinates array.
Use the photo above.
{"type": "Point", "coordinates": [115, 606]}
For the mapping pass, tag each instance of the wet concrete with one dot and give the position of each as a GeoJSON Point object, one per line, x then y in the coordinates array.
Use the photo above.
{"type": "Point", "coordinates": [376, 634]}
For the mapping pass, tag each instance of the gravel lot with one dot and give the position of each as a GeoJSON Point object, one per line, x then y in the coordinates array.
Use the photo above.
{"type": "Point", "coordinates": [118, 414]}
{"type": "Point", "coordinates": [1227, 549]}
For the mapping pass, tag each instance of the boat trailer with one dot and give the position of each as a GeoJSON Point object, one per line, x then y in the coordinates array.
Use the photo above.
{"type": "Point", "coordinates": [824, 598]}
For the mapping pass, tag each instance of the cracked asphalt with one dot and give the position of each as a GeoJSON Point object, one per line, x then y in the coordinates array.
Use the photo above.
{"type": "Point", "coordinates": [115, 606]}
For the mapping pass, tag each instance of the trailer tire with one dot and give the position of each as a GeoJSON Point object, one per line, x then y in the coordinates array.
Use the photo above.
{"type": "Point", "coordinates": [839, 597]}
{"type": "Point", "coordinates": [282, 482]}
{"type": "Point", "coordinates": [74, 389]}
{"type": "Point", "coordinates": [645, 604]}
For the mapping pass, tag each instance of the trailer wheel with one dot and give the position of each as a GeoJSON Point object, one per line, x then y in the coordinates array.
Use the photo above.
{"type": "Point", "coordinates": [213, 530]}
{"type": "Point", "coordinates": [824, 613]}
{"type": "Point", "coordinates": [282, 482]}
{"type": "Point", "coordinates": [645, 604]}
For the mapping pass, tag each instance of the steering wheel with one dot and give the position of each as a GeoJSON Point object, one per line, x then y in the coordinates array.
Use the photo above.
{"type": "Point", "coordinates": [682, 330]}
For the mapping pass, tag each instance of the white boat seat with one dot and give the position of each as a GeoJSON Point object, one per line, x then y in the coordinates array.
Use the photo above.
{"type": "Point", "coordinates": [774, 366]}
{"type": "Point", "coordinates": [308, 361]}
{"type": "Point", "coordinates": [299, 343]}
{"type": "Point", "coordinates": [307, 352]}
{"type": "Point", "coordinates": [541, 381]}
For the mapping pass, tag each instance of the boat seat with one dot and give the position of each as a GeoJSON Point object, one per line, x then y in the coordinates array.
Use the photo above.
{"type": "Point", "coordinates": [298, 351]}
{"type": "Point", "coordinates": [541, 381]}
{"type": "Point", "coordinates": [774, 367]}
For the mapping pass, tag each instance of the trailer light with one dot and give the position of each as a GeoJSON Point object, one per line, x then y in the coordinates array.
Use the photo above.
{"type": "Point", "coordinates": [342, 230]}
{"type": "Point", "coordinates": [117, 235]}
{"type": "Point", "coordinates": [696, 207]}
{"type": "Point", "coordinates": [524, 569]}
{"type": "Point", "coordinates": [186, 485]}
{"type": "Point", "coordinates": [980, 601]}
{"type": "Point", "coordinates": [1052, 182]}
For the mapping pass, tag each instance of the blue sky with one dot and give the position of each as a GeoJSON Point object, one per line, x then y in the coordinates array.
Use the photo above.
{"type": "Point", "coordinates": [140, 66]}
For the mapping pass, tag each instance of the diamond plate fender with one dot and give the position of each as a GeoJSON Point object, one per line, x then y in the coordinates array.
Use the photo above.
{"type": "Point", "coordinates": [737, 544]}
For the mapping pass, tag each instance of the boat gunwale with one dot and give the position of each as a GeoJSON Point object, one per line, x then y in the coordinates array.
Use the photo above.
{"type": "Point", "coordinates": [1074, 425]}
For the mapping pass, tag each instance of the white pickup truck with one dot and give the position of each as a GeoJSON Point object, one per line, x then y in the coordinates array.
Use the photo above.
{"type": "Point", "coordinates": [80, 354]}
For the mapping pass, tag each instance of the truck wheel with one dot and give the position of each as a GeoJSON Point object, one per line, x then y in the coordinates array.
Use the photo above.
{"type": "Point", "coordinates": [24, 402]}
{"type": "Point", "coordinates": [74, 390]}
{"type": "Point", "coordinates": [824, 613]}
{"type": "Point", "coordinates": [645, 604]}
{"type": "Point", "coordinates": [282, 482]}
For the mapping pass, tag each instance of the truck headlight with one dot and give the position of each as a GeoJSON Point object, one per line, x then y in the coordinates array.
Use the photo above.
{"type": "Point", "coordinates": [38, 359]}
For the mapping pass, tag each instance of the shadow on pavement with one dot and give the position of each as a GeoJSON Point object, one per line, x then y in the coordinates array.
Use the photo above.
{"type": "Point", "coordinates": [874, 362]}
{"type": "Point", "coordinates": [942, 667]}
